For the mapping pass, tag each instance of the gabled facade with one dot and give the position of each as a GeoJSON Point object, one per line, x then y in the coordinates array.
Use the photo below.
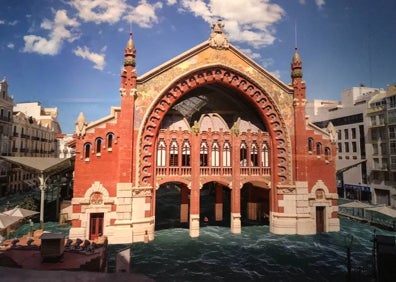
{"type": "Point", "coordinates": [208, 117]}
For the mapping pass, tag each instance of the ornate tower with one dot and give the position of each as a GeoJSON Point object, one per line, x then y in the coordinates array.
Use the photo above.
{"type": "Point", "coordinates": [128, 95]}
{"type": "Point", "coordinates": [299, 100]}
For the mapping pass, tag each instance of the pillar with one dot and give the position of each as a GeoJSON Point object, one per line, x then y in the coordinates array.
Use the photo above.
{"type": "Point", "coordinates": [219, 202]}
{"type": "Point", "coordinates": [184, 204]}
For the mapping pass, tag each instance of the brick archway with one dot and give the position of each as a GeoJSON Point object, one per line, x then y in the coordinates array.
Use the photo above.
{"type": "Point", "coordinates": [267, 109]}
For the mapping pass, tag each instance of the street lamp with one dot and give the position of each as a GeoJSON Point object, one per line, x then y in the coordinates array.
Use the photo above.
{"type": "Point", "coordinates": [348, 240]}
{"type": "Point", "coordinates": [31, 227]}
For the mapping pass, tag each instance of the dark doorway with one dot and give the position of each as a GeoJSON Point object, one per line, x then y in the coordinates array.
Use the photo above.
{"type": "Point", "coordinates": [320, 227]}
{"type": "Point", "coordinates": [95, 225]}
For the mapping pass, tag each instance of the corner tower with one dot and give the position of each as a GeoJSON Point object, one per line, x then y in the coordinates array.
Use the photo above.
{"type": "Point", "coordinates": [128, 95]}
{"type": "Point", "coordinates": [299, 101]}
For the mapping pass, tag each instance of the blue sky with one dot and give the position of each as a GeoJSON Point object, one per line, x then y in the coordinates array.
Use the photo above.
{"type": "Point", "coordinates": [68, 54]}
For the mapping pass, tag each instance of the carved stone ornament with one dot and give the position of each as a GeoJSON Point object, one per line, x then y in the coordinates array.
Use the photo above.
{"type": "Point", "coordinates": [81, 125]}
{"type": "Point", "coordinates": [141, 192]}
{"type": "Point", "coordinates": [217, 38]}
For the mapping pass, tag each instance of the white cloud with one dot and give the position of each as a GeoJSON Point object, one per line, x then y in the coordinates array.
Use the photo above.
{"type": "Point", "coordinates": [100, 11]}
{"type": "Point", "coordinates": [97, 58]}
{"type": "Point", "coordinates": [276, 73]}
{"type": "Point", "coordinates": [144, 14]}
{"type": "Point", "coordinates": [58, 33]}
{"type": "Point", "coordinates": [11, 45]}
{"type": "Point", "coordinates": [251, 54]}
{"type": "Point", "coordinates": [171, 2]}
{"type": "Point", "coordinates": [13, 23]}
{"type": "Point", "coordinates": [249, 21]}
{"type": "Point", "coordinates": [320, 3]}
{"type": "Point", "coordinates": [2, 22]}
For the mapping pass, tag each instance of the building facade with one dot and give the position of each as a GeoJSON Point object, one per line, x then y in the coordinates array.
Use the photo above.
{"type": "Point", "coordinates": [349, 117]}
{"type": "Point", "coordinates": [381, 143]}
{"type": "Point", "coordinates": [210, 116]}
{"type": "Point", "coordinates": [6, 107]}
{"type": "Point", "coordinates": [34, 134]}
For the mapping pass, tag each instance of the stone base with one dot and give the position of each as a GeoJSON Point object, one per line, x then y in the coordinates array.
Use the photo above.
{"type": "Point", "coordinates": [194, 225]}
{"type": "Point", "coordinates": [236, 223]}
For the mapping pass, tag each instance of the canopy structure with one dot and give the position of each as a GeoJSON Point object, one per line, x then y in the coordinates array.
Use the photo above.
{"type": "Point", "coordinates": [382, 215]}
{"type": "Point", "coordinates": [7, 220]}
{"type": "Point", "coordinates": [355, 208]}
{"type": "Point", "coordinates": [20, 212]}
{"type": "Point", "coordinates": [355, 204]}
{"type": "Point", "coordinates": [44, 167]}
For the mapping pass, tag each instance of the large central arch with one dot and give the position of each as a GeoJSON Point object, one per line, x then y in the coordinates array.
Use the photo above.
{"type": "Point", "coordinates": [266, 107]}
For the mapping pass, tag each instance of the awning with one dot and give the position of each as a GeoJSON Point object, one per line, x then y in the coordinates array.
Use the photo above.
{"type": "Point", "coordinates": [41, 165]}
{"type": "Point", "coordinates": [342, 170]}
{"type": "Point", "coordinates": [385, 211]}
{"type": "Point", "coordinates": [355, 204]}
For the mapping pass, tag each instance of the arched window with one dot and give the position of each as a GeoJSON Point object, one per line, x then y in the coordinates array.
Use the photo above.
{"type": "Point", "coordinates": [254, 154]}
{"type": "Point", "coordinates": [215, 154]}
{"type": "Point", "coordinates": [226, 154]}
{"type": "Point", "coordinates": [265, 155]}
{"type": "Point", "coordinates": [87, 150]}
{"type": "Point", "coordinates": [318, 149]}
{"type": "Point", "coordinates": [310, 144]}
{"type": "Point", "coordinates": [186, 153]}
{"type": "Point", "coordinates": [173, 153]}
{"type": "Point", "coordinates": [203, 154]}
{"type": "Point", "coordinates": [243, 154]}
{"type": "Point", "coordinates": [110, 137]}
{"type": "Point", "coordinates": [98, 144]}
{"type": "Point", "coordinates": [327, 153]}
{"type": "Point", "coordinates": [161, 153]}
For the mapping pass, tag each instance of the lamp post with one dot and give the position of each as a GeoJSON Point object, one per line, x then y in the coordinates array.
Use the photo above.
{"type": "Point", "coordinates": [348, 240]}
{"type": "Point", "coordinates": [31, 227]}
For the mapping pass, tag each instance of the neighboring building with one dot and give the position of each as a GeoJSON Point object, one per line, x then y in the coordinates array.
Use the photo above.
{"type": "Point", "coordinates": [65, 147]}
{"type": "Point", "coordinates": [34, 132]}
{"type": "Point", "coordinates": [6, 106]}
{"type": "Point", "coordinates": [208, 118]}
{"type": "Point", "coordinates": [365, 120]}
{"type": "Point", "coordinates": [381, 141]}
{"type": "Point", "coordinates": [349, 119]}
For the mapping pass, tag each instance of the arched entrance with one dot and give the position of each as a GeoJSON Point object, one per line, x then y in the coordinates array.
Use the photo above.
{"type": "Point", "coordinates": [214, 125]}
{"type": "Point", "coordinates": [255, 204]}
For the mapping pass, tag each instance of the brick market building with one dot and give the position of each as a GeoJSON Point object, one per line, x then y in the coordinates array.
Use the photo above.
{"type": "Point", "coordinates": [210, 118]}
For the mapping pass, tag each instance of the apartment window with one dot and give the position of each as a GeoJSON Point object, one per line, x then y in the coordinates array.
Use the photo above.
{"type": "Point", "coordinates": [339, 134]}
{"type": "Point", "coordinates": [353, 131]}
{"type": "Point", "coordinates": [354, 147]}
{"type": "Point", "coordinates": [346, 145]}
{"type": "Point", "coordinates": [381, 119]}
{"type": "Point", "coordinates": [373, 120]}
{"type": "Point", "coordinates": [375, 149]}
{"type": "Point", "coordinates": [339, 147]}
{"type": "Point", "coordinates": [346, 133]}
{"type": "Point", "coordinates": [392, 132]}
{"type": "Point", "coordinates": [392, 146]}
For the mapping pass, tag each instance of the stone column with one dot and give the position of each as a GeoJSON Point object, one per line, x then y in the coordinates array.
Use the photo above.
{"type": "Point", "coordinates": [184, 204]}
{"type": "Point", "coordinates": [219, 202]}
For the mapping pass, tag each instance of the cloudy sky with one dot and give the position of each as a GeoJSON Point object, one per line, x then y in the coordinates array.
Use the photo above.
{"type": "Point", "coordinates": [68, 53]}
